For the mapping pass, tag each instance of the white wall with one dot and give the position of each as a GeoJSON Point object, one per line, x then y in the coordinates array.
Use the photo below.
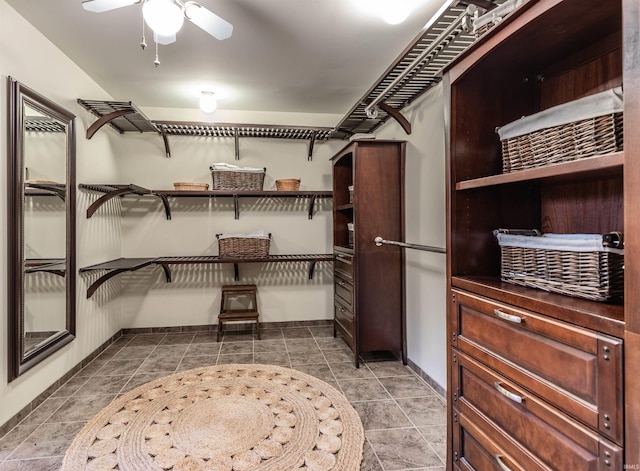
{"type": "Point", "coordinates": [31, 59]}
{"type": "Point", "coordinates": [425, 198]}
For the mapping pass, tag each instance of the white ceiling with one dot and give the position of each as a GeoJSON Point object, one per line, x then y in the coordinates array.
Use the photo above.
{"type": "Point", "coordinates": [305, 56]}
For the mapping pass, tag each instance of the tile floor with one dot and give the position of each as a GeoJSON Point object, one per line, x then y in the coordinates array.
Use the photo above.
{"type": "Point", "coordinates": [404, 419]}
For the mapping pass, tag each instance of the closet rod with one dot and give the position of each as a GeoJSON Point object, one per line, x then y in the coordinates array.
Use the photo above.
{"type": "Point", "coordinates": [427, 248]}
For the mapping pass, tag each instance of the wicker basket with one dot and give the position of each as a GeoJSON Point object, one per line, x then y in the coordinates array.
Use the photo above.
{"type": "Point", "coordinates": [190, 186]}
{"type": "Point", "coordinates": [249, 247]}
{"type": "Point", "coordinates": [231, 180]}
{"type": "Point", "coordinates": [563, 143]}
{"type": "Point", "coordinates": [288, 184]}
{"type": "Point", "coordinates": [591, 272]}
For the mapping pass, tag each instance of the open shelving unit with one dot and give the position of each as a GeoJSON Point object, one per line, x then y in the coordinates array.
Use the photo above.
{"type": "Point", "coordinates": [112, 190]}
{"type": "Point", "coordinates": [539, 380]}
{"type": "Point", "coordinates": [122, 265]}
{"type": "Point", "coordinates": [125, 117]}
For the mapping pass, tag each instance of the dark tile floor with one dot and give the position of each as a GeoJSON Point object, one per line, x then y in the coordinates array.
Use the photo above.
{"type": "Point", "coordinates": [404, 419]}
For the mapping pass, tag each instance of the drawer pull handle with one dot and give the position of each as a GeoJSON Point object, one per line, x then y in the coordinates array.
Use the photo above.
{"type": "Point", "coordinates": [341, 283]}
{"type": "Point", "coordinates": [508, 317]}
{"type": "Point", "coordinates": [508, 394]}
{"type": "Point", "coordinates": [503, 466]}
{"type": "Point", "coordinates": [342, 309]}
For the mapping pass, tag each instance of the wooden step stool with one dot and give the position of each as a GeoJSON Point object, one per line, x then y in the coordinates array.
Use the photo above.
{"type": "Point", "coordinates": [229, 315]}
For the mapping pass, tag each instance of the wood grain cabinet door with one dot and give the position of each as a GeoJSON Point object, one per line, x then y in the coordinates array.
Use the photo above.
{"type": "Point", "coordinates": [550, 435]}
{"type": "Point", "coordinates": [577, 370]}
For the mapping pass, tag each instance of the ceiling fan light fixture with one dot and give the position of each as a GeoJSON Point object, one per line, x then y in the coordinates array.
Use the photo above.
{"type": "Point", "coordinates": [164, 17]}
{"type": "Point", "coordinates": [208, 102]}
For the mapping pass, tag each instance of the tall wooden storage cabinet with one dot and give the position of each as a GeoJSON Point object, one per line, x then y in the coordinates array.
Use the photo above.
{"type": "Point", "coordinates": [368, 197]}
{"type": "Point", "coordinates": [540, 380]}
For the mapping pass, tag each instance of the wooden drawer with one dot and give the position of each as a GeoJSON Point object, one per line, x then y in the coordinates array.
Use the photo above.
{"type": "Point", "coordinates": [550, 435]}
{"type": "Point", "coordinates": [343, 316]}
{"type": "Point", "coordinates": [343, 289]}
{"type": "Point", "coordinates": [574, 369]}
{"type": "Point", "coordinates": [343, 265]}
{"type": "Point", "coordinates": [477, 446]}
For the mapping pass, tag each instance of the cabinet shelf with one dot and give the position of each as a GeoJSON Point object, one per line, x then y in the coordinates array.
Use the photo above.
{"type": "Point", "coordinates": [112, 190]}
{"type": "Point", "coordinates": [121, 265]}
{"type": "Point", "coordinates": [600, 166]}
{"type": "Point", "coordinates": [345, 207]}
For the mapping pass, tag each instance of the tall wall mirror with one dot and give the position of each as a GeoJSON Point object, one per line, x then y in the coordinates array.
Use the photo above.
{"type": "Point", "coordinates": [42, 228]}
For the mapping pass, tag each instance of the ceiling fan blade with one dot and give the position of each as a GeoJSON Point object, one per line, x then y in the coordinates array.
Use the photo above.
{"type": "Point", "coordinates": [164, 40]}
{"type": "Point", "coordinates": [99, 6]}
{"type": "Point", "coordinates": [217, 27]}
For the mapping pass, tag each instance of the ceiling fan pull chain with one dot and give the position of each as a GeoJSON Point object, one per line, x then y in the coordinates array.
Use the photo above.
{"type": "Point", "coordinates": [157, 61]}
{"type": "Point", "coordinates": [143, 43]}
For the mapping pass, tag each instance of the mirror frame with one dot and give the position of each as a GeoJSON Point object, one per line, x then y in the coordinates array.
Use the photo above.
{"type": "Point", "coordinates": [18, 95]}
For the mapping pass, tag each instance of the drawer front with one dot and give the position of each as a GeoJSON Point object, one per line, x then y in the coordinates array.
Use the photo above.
{"type": "Point", "coordinates": [574, 369]}
{"type": "Point", "coordinates": [343, 264]}
{"type": "Point", "coordinates": [479, 447]}
{"type": "Point", "coordinates": [343, 289]}
{"type": "Point", "coordinates": [344, 317]}
{"type": "Point", "coordinates": [555, 439]}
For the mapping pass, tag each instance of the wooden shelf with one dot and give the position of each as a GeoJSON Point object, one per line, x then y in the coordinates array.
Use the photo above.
{"type": "Point", "coordinates": [345, 207]}
{"type": "Point", "coordinates": [55, 266]}
{"type": "Point", "coordinates": [236, 131]}
{"type": "Point", "coordinates": [578, 169]}
{"type": "Point", "coordinates": [123, 116]}
{"type": "Point", "coordinates": [45, 189]}
{"type": "Point", "coordinates": [112, 190]}
{"type": "Point", "coordinates": [121, 265]}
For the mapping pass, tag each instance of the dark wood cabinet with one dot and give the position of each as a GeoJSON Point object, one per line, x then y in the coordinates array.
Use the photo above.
{"type": "Point", "coordinates": [538, 380]}
{"type": "Point", "coordinates": [368, 201]}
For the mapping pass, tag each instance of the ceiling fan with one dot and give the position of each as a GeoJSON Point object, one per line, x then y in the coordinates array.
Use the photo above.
{"type": "Point", "coordinates": [165, 18]}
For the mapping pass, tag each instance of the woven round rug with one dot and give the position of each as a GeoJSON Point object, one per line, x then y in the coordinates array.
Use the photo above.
{"type": "Point", "coordinates": [223, 418]}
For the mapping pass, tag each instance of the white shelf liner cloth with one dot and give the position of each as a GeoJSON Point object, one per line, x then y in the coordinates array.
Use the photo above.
{"type": "Point", "coordinates": [222, 166]}
{"type": "Point", "coordinates": [261, 234]}
{"type": "Point", "coordinates": [563, 242]}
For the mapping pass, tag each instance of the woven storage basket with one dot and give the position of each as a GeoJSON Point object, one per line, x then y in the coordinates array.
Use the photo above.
{"type": "Point", "coordinates": [232, 180]}
{"type": "Point", "coordinates": [190, 186]}
{"type": "Point", "coordinates": [590, 126]}
{"type": "Point", "coordinates": [288, 184]}
{"type": "Point", "coordinates": [563, 143]}
{"type": "Point", "coordinates": [231, 247]}
{"type": "Point", "coordinates": [578, 265]}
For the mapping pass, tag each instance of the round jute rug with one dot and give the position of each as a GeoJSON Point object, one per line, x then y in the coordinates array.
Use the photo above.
{"type": "Point", "coordinates": [223, 418]}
